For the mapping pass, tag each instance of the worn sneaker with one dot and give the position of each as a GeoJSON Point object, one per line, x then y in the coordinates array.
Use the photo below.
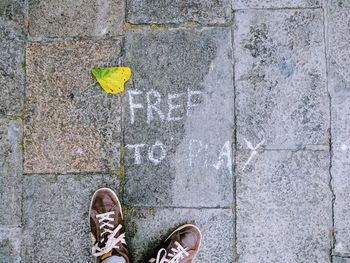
{"type": "Point", "coordinates": [106, 226]}
{"type": "Point", "coordinates": [180, 247]}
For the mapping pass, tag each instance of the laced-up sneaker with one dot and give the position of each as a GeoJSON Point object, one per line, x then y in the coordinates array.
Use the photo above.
{"type": "Point", "coordinates": [180, 247]}
{"type": "Point", "coordinates": [106, 226]}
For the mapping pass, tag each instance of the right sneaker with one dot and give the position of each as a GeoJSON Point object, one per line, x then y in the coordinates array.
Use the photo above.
{"type": "Point", "coordinates": [106, 226]}
{"type": "Point", "coordinates": [180, 247]}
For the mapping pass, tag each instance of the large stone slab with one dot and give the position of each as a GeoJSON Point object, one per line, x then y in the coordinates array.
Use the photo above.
{"type": "Point", "coordinates": [336, 5]}
{"type": "Point", "coordinates": [341, 260]}
{"type": "Point", "coordinates": [244, 4]}
{"type": "Point", "coordinates": [10, 245]}
{"type": "Point", "coordinates": [282, 100]}
{"type": "Point", "coordinates": [55, 216]}
{"type": "Point", "coordinates": [67, 129]}
{"type": "Point", "coordinates": [284, 208]}
{"type": "Point", "coordinates": [340, 171]}
{"type": "Point", "coordinates": [12, 10]}
{"type": "Point", "coordinates": [178, 121]}
{"type": "Point", "coordinates": [78, 18]}
{"type": "Point", "coordinates": [10, 171]}
{"type": "Point", "coordinates": [11, 60]}
{"type": "Point", "coordinates": [337, 29]}
{"type": "Point", "coordinates": [148, 228]}
{"type": "Point", "coordinates": [179, 11]}
{"type": "Point", "coordinates": [337, 32]}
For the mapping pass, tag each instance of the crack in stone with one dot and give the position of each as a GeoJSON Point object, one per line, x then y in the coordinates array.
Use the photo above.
{"type": "Point", "coordinates": [331, 186]}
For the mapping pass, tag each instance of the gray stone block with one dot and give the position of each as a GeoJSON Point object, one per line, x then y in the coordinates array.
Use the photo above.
{"type": "Point", "coordinates": [12, 10]}
{"type": "Point", "coordinates": [178, 122]}
{"type": "Point", "coordinates": [338, 20]}
{"type": "Point", "coordinates": [341, 260]}
{"type": "Point", "coordinates": [10, 245]}
{"type": "Point", "coordinates": [337, 32]}
{"type": "Point", "coordinates": [77, 18]}
{"type": "Point", "coordinates": [11, 66]}
{"type": "Point", "coordinates": [244, 4]}
{"type": "Point", "coordinates": [66, 129]}
{"type": "Point", "coordinates": [55, 216]}
{"type": "Point", "coordinates": [284, 208]}
{"type": "Point", "coordinates": [282, 99]}
{"type": "Point", "coordinates": [340, 170]}
{"type": "Point", "coordinates": [179, 11]}
{"type": "Point", "coordinates": [336, 5]}
{"type": "Point", "coordinates": [146, 229]}
{"type": "Point", "coordinates": [12, 34]}
{"type": "Point", "coordinates": [10, 171]}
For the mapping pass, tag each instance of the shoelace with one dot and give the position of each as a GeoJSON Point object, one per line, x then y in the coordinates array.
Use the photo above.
{"type": "Point", "coordinates": [177, 253]}
{"type": "Point", "coordinates": [111, 241]}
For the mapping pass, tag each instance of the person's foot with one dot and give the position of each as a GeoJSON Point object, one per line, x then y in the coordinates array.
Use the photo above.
{"type": "Point", "coordinates": [180, 247]}
{"type": "Point", "coordinates": [106, 226]}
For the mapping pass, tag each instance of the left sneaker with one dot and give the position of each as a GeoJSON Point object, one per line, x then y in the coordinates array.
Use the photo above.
{"type": "Point", "coordinates": [106, 226]}
{"type": "Point", "coordinates": [180, 247]}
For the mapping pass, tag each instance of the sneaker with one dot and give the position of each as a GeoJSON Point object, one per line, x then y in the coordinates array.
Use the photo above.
{"type": "Point", "coordinates": [180, 247]}
{"type": "Point", "coordinates": [106, 226]}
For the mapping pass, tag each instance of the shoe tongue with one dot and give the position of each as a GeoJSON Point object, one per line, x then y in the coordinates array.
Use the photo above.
{"type": "Point", "coordinates": [120, 254]}
{"type": "Point", "coordinates": [103, 240]}
{"type": "Point", "coordinates": [107, 255]}
{"type": "Point", "coordinates": [176, 238]}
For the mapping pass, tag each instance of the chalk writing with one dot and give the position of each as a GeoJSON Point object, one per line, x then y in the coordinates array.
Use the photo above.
{"type": "Point", "coordinates": [152, 106]}
{"type": "Point", "coordinates": [253, 149]}
{"type": "Point", "coordinates": [137, 153]}
{"type": "Point", "coordinates": [194, 149]}
{"type": "Point", "coordinates": [151, 153]}
{"type": "Point", "coordinates": [173, 106]}
{"type": "Point", "coordinates": [197, 150]}
{"type": "Point", "coordinates": [225, 153]}
{"type": "Point", "coordinates": [153, 110]}
{"type": "Point", "coordinates": [133, 106]}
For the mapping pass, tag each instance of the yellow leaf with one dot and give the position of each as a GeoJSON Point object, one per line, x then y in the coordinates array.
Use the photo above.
{"type": "Point", "coordinates": [112, 80]}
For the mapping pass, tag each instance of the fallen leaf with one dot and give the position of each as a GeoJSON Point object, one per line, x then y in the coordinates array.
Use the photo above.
{"type": "Point", "coordinates": [112, 79]}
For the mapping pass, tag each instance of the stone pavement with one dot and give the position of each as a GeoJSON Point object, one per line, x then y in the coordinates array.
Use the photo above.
{"type": "Point", "coordinates": [236, 118]}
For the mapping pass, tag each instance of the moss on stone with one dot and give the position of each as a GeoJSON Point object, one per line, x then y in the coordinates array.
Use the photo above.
{"type": "Point", "coordinates": [19, 116]}
{"type": "Point", "coordinates": [155, 27]}
{"type": "Point", "coordinates": [121, 169]}
{"type": "Point", "coordinates": [21, 145]}
{"type": "Point", "coordinates": [128, 210]}
{"type": "Point", "coordinates": [130, 26]}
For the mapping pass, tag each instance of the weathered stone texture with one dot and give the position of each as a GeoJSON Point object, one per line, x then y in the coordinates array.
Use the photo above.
{"type": "Point", "coordinates": [10, 171]}
{"type": "Point", "coordinates": [10, 245]}
{"type": "Point", "coordinates": [11, 70]}
{"type": "Point", "coordinates": [179, 11]}
{"type": "Point", "coordinates": [67, 129]}
{"type": "Point", "coordinates": [179, 111]}
{"type": "Point", "coordinates": [280, 71]}
{"type": "Point", "coordinates": [55, 216]}
{"type": "Point", "coordinates": [244, 4]}
{"type": "Point", "coordinates": [340, 171]}
{"type": "Point", "coordinates": [338, 38]}
{"type": "Point", "coordinates": [341, 260]}
{"type": "Point", "coordinates": [78, 18]}
{"type": "Point", "coordinates": [148, 228]}
{"type": "Point", "coordinates": [12, 10]}
{"type": "Point", "coordinates": [284, 211]}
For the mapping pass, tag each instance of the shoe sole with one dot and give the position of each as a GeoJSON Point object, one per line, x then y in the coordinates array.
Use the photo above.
{"type": "Point", "coordinates": [184, 226]}
{"type": "Point", "coordinates": [92, 199]}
